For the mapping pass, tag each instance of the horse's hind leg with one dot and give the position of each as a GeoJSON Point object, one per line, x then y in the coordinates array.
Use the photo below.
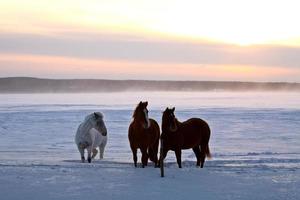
{"type": "Point", "coordinates": [178, 157]}
{"type": "Point", "coordinates": [203, 155]}
{"type": "Point", "coordinates": [197, 152]}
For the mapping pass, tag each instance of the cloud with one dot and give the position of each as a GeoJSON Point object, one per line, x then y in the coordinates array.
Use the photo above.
{"type": "Point", "coordinates": [141, 49]}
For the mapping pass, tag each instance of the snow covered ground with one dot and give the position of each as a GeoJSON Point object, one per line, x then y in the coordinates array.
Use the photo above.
{"type": "Point", "coordinates": [255, 145]}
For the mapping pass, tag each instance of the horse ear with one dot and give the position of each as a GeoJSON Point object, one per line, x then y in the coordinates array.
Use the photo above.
{"type": "Point", "coordinates": [96, 115]}
{"type": "Point", "coordinates": [173, 109]}
{"type": "Point", "coordinates": [146, 103]}
{"type": "Point", "coordinates": [140, 103]}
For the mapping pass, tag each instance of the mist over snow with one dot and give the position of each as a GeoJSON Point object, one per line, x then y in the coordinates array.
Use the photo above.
{"type": "Point", "coordinates": [37, 85]}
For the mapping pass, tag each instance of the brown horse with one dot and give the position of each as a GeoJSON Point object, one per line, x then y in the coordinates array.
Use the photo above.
{"type": "Point", "coordinates": [143, 134]}
{"type": "Point", "coordinates": [193, 133]}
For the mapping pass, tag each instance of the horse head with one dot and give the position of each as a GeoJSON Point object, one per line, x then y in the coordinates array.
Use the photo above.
{"type": "Point", "coordinates": [100, 126]}
{"type": "Point", "coordinates": [169, 120]}
{"type": "Point", "coordinates": [141, 114]}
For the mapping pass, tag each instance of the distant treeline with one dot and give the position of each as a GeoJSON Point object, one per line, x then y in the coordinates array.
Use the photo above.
{"type": "Point", "coordinates": [36, 85]}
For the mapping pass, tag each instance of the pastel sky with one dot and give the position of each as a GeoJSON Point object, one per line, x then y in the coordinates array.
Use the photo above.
{"type": "Point", "coordinates": [234, 40]}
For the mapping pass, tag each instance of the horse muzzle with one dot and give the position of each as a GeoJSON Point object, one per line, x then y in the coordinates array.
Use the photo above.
{"type": "Point", "coordinates": [104, 133]}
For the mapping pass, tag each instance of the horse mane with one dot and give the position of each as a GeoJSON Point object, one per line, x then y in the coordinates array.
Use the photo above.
{"type": "Point", "coordinates": [134, 115]}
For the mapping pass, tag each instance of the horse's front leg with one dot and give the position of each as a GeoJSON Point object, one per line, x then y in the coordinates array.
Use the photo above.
{"type": "Point", "coordinates": [89, 150]}
{"type": "Point", "coordinates": [134, 155]}
{"type": "Point", "coordinates": [164, 153]}
{"type": "Point", "coordinates": [81, 151]}
{"type": "Point", "coordinates": [101, 148]}
{"type": "Point", "coordinates": [144, 157]}
{"type": "Point", "coordinates": [162, 156]}
{"type": "Point", "coordinates": [95, 151]}
{"type": "Point", "coordinates": [178, 157]}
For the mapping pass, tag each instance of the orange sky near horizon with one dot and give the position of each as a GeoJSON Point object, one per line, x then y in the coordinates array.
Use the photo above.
{"type": "Point", "coordinates": [65, 67]}
{"type": "Point", "coordinates": [135, 39]}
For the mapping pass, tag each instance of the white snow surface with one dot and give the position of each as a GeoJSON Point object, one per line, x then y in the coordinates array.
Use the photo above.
{"type": "Point", "coordinates": [255, 144]}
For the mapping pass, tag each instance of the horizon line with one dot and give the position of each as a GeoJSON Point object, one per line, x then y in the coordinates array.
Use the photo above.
{"type": "Point", "coordinates": [154, 80]}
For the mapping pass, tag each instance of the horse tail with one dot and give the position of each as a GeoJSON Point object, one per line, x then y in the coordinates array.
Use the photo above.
{"type": "Point", "coordinates": [207, 152]}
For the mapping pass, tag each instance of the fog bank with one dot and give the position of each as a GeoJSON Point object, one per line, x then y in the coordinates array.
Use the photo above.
{"type": "Point", "coordinates": [35, 85]}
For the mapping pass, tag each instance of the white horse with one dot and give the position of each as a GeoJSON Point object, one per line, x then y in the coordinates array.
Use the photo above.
{"type": "Point", "coordinates": [91, 134]}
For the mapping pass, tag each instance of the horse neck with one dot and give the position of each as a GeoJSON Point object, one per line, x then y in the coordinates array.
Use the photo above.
{"type": "Point", "coordinates": [178, 123]}
{"type": "Point", "coordinates": [137, 122]}
{"type": "Point", "coordinates": [165, 127]}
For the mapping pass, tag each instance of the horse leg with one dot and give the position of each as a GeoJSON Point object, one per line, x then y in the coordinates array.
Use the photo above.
{"type": "Point", "coordinates": [101, 148]}
{"type": "Point", "coordinates": [81, 151]}
{"type": "Point", "coordinates": [95, 151]}
{"type": "Point", "coordinates": [165, 152]}
{"type": "Point", "coordinates": [155, 152]}
{"type": "Point", "coordinates": [178, 157]}
{"type": "Point", "coordinates": [134, 154]}
{"type": "Point", "coordinates": [152, 152]}
{"type": "Point", "coordinates": [89, 150]}
{"type": "Point", "coordinates": [144, 157]}
{"type": "Point", "coordinates": [155, 157]}
{"type": "Point", "coordinates": [197, 152]}
{"type": "Point", "coordinates": [202, 155]}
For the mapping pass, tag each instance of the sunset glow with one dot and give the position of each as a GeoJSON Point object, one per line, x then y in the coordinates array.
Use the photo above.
{"type": "Point", "coordinates": [216, 27]}
{"type": "Point", "coordinates": [118, 69]}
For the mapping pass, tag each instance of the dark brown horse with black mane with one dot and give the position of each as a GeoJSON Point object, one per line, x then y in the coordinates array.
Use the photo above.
{"type": "Point", "coordinates": [143, 134]}
{"type": "Point", "coordinates": [193, 133]}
